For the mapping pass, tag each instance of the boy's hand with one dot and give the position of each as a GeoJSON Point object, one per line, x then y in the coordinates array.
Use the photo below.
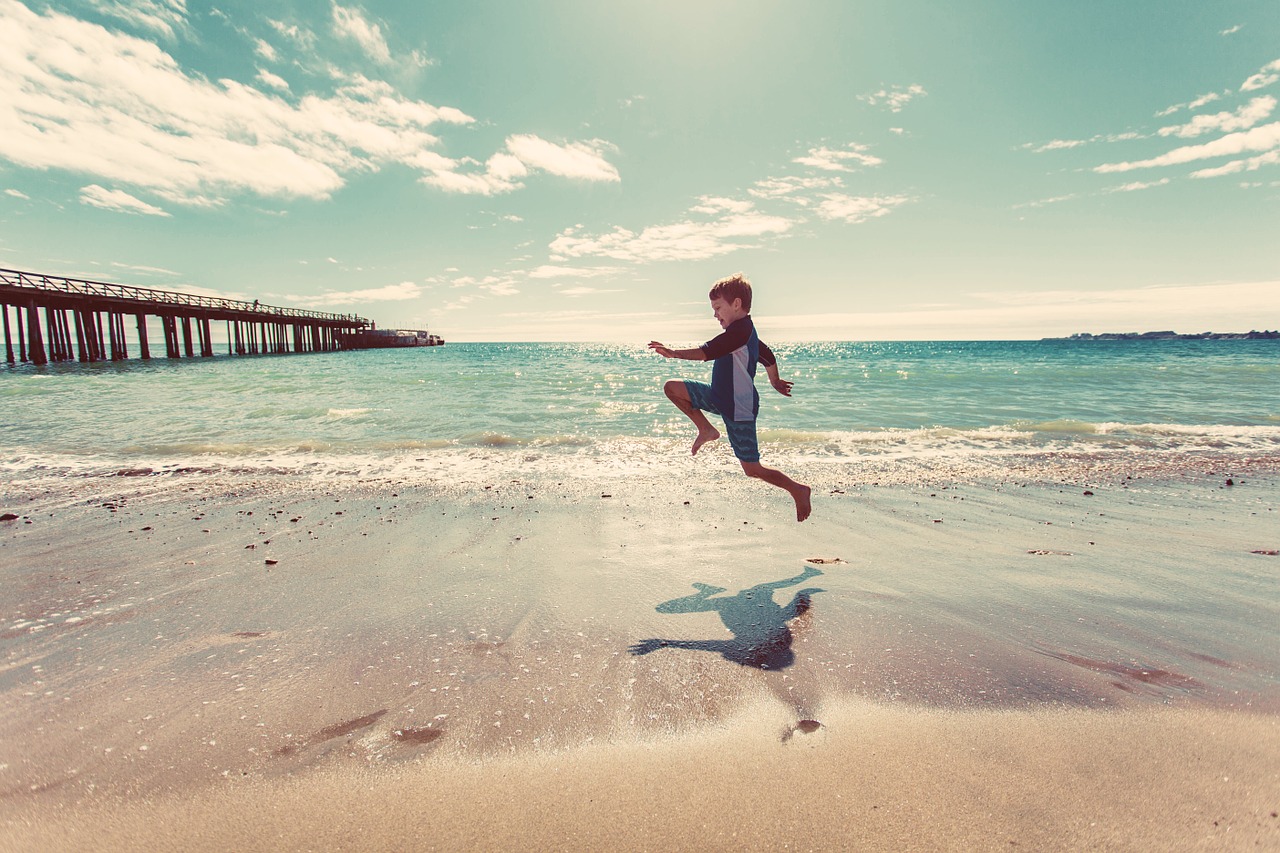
{"type": "Point", "coordinates": [780, 385]}
{"type": "Point", "coordinates": [661, 349]}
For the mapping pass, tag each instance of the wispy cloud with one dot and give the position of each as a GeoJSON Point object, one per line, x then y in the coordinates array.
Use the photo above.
{"type": "Point", "coordinates": [275, 81]}
{"type": "Point", "coordinates": [1269, 74]}
{"type": "Point", "coordinates": [1231, 30]}
{"type": "Point", "coordinates": [162, 17]}
{"type": "Point", "coordinates": [855, 209]}
{"type": "Point", "coordinates": [582, 160]}
{"type": "Point", "coordinates": [556, 271]}
{"type": "Point", "coordinates": [144, 270]}
{"type": "Point", "coordinates": [352, 24]}
{"type": "Point", "coordinates": [118, 200]}
{"type": "Point", "coordinates": [1137, 185]}
{"type": "Point", "coordinates": [793, 188]}
{"type": "Point", "coordinates": [1045, 202]}
{"type": "Point", "coordinates": [838, 159]}
{"type": "Point", "coordinates": [1261, 139]}
{"type": "Point", "coordinates": [1196, 104]}
{"type": "Point", "coordinates": [265, 50]}
{"type": "Point", "coordinates": [1247, 164]}
{"type": "Point", "coordinates": [18, 194]}
{"type": "Point", "coordinates": [1057, 145]}
{"type": "Point", "coordinates": [1247, 116]}
{"type": "Point", "coordinates": [525, 153]}
{"type": "Point", "coordinates": [689, 239]}
{"type": "Point", "coordinates": [1067, 144]}
{"type": "Point", "coordinates": [894, 97]}
{"type": "Point", "coordinates": [582, 290]}
{"type": "Point", "coordinates": [389, 293]}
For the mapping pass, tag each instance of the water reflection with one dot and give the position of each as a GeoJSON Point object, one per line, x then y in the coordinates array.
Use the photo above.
{"type": "Point", "coordinates": [761, 631]}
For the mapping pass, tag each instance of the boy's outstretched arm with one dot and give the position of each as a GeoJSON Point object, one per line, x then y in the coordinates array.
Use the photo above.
{"type": "Point", "coordinates": [695, 354]}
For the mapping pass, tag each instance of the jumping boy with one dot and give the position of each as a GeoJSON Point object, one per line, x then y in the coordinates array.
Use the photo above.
{"type": "Point", "coordinates": [732, 392]}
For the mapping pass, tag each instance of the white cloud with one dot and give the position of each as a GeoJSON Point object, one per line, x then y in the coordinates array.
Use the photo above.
{"type": "Point", "coordinates": [894, 97]}
{"type": "Point", "coordinates": [553, 271]}
{"type": "Point", "coordinates": [491, 285]}
{"type": "Point", "coordinates": [18, 194]}
{"type": "Point", "coordinates": [1264, 138]}
{"type": "Point", "coordinates": [1045, 202]}
{"type": "Point", "coordinates": [580, 291]}
{"type": "Point", "coordinates": [680, 241]}
{"type": "Point", "coordinates": [1138, 185]}
{"type": "Point", "coordinates": [855, 209]}
{"type": "Point", "coordinates": [715, 205]}
{"type": "Point", "coordinates": [301, 38]}
{"type": "Point", "coordinates": [265, 50]}
{"type": "Point", "coordinates": [390, 293]}
{"type": "Point", "coordinates": [117, 200]}
{"type": "Point", "coordinates": [145, 270]}
{"type": "Point", "coordinates": [1066, 144]}
{"type": "Point", "coordinates": [275, 81]}
{"type": "Point", "coordinates": [76, 96]}
{"type": "Point", "coordinates": [1247, 116]}
{"type": "Point", "coordinates": [351, 23]}
{"type": "Point", "coordinates": [162, 17]}
{"type": "Point", "coordinates": [1231, 30]}
{"type": "Point", "coordinates": [791, 188]}
{"type": "Point", "coordinates": [525, 153]}
{"type": "Point", "coordinates": [581, 160]}
{"type": "Point", "coordinates": [1248, 164]}
{"type": "Point", "coordinates": [1059, 144]}
{"type": "Point", "coordinates": [1269, 74]}
{"type": "Point", "coordinates": [835, 160]}
{"type": "Point", "coordinates": [1194, 105]}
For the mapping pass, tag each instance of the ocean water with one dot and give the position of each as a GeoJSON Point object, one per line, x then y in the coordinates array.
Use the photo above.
{"type": "Point", "coordinates": [563, 404]}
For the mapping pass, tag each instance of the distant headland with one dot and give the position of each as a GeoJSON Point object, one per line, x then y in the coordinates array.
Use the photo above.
{"type": "Point", "coordinates": [1172, 336]}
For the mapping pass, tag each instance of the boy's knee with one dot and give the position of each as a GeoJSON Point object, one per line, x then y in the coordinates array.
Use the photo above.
{"type": "Point", "coordinates": [675, 389]}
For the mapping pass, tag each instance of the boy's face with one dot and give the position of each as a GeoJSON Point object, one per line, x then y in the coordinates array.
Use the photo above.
{"type": "Point", "coordinates": [727, 312]}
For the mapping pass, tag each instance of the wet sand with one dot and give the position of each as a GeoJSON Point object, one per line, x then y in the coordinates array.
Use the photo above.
{"type": "Point", "coordinates": [251, 659]}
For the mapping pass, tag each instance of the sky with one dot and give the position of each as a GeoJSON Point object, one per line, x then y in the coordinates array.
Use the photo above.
{"type": "Point", "coordinates": [585, 171]}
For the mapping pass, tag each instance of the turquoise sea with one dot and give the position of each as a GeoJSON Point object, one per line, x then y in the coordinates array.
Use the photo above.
{"type": "Point", "coordinates": [582, 401]}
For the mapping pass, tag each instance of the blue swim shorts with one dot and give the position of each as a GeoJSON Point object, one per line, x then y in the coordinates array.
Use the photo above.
{"type": "Point", "coordinates": [742, 434]}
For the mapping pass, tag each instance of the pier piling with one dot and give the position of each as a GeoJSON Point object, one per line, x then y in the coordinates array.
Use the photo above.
{"type": "Point", "coordinates": [251, 328]}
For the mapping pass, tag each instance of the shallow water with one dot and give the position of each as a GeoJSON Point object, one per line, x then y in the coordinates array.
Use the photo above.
{"type": "Point", "coordinates": [584, 400]}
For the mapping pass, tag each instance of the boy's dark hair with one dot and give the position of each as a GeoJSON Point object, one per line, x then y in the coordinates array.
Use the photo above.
{"type": "Point", "coordinates": [734, 287]}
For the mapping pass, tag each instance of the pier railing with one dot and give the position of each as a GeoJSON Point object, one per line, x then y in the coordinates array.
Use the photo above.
{"type": "Point", "coordinates": [89, 316]}
{"type": "Point", "coordinates": [104, 290]}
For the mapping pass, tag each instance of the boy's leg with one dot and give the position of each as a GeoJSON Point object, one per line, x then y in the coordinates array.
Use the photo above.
{"type": "Point", "coordinates": [799, 492]}
{"type": "Point", "coordinates": [678, 393]}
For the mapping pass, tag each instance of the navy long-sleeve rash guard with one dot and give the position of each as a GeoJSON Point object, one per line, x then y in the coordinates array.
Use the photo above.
{"type": "Point", "coordinates": [736, 352]}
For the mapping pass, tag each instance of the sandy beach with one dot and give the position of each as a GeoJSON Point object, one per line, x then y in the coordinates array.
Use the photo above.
{"type": "Point", "coordinates": [1076, 655]}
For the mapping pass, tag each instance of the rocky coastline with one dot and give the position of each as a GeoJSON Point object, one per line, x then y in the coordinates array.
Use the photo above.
{"type": "Point", "coordinates": [1173, 336]}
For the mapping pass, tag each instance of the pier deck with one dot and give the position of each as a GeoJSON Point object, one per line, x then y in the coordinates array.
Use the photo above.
{"type": "Point", "coordinates": [86, 320]}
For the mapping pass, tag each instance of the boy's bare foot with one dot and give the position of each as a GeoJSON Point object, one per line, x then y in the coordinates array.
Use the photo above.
{"type": "Point", "coordinates": [804, 506]}
{"type": "Point", "coordinates": [703, 437]}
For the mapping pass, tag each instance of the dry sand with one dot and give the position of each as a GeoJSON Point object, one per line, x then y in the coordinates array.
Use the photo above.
{"type": "Point", "coordinates": [587, 663]}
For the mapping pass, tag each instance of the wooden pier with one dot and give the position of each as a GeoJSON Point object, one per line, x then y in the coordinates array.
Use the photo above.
{"type": "Point", "coordinates": [86, 320]}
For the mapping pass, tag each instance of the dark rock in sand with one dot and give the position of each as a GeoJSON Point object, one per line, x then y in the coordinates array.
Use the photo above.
{"type": "Point", "coordinates": [8, 516]}
{"type": "Point", "coordinates": [417, 735]}
{"type": "Point", "coordinates": [134, 472]}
